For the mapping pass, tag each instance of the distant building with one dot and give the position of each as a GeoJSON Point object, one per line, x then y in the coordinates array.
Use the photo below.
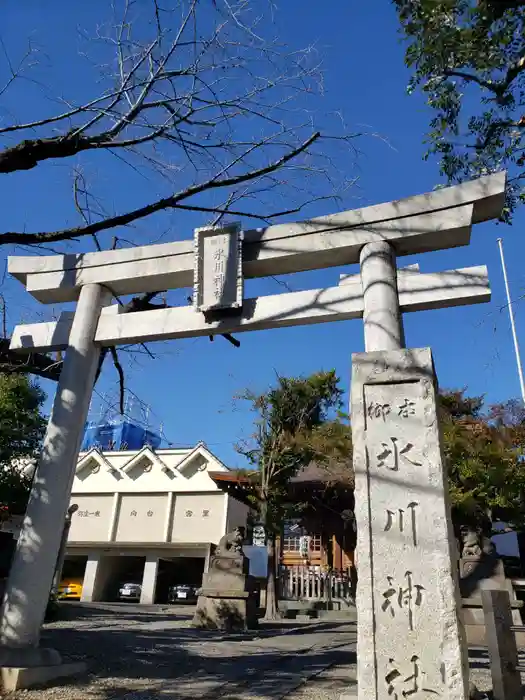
{"type": "Point", "coordinates": [148, 516]}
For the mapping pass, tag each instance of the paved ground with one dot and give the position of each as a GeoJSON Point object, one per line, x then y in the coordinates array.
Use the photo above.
{"type": "Point", "coordinates": [152, 653]}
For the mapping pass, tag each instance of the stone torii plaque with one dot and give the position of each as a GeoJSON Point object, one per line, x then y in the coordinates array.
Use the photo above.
{"type": "Point", "coordinates": [410, 641]}
{"type": "Point", "coordinates": [218, 283]}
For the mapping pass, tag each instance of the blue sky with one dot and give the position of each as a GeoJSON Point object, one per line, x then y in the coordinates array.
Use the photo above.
{"type": "Point", "coordinates": [191, 385]}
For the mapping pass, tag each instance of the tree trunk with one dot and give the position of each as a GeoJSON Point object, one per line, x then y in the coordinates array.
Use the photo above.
{"type": "Point", "coordinates": [272, 610]}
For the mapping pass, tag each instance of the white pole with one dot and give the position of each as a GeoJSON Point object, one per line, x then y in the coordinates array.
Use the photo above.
{"type": "Point", "coordinates": [512, 323]}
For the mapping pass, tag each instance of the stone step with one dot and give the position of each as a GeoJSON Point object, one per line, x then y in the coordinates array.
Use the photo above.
{"type": "Point", "coordinates": [346, 615]}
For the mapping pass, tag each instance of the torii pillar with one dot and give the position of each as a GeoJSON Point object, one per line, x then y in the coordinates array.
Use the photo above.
{"type": "Point", "coordinates": [411, 639]}
{"type": "Point", "coordinates": [382, 320]}
{"type": "Point", "coordinates": [31, 574]}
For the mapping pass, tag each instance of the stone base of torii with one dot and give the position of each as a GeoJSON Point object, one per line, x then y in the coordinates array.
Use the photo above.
{"type": "Point", "coordinates": [410, 636]}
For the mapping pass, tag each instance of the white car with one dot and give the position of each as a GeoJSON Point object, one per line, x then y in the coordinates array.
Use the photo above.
{"type": "Point", "coordinates": [130, 591]}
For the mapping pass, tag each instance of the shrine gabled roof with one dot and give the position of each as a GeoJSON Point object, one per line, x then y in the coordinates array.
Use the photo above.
{"type": "Point", "coordinates": [234, 483]}
{"type": "Point", "coordinates": [312, 475]}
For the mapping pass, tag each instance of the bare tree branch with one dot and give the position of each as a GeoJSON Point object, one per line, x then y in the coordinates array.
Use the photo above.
{"type": "Point", "coordinates": [48, 368]}
{"type": "Point", "coordinates": [178, 99]}
{"type": "Point", "coordinates": [196, 99]}
{"type": "Point", "coordinates": [159, 205]}
{"type": "Point", "coordinates": [36, 363]}
{"type": "Point", "coordinates": [120, 371]}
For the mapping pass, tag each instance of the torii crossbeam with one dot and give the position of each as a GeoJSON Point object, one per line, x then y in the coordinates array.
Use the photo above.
{"type": "Point", "coordinates": [433, 221]}
{"type": "Point", "coordinates": [417, 292]}
{"type": "Point", "coordinates": [216, 263]}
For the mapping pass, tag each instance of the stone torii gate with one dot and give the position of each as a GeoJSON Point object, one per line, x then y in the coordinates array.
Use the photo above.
{"type": "Point", "coordinates": [409, 631]}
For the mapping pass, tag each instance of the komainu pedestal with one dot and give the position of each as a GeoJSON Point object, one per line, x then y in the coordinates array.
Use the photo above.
{"type": "Point", "coordinates": [227, 599]}
{"type": "Point", "coordinates": [410, 634]}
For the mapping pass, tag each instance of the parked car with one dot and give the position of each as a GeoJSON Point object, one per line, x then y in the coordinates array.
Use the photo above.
{"type": "Point", "coordinates": [70, 589]}
{"type": "Point", "coordinates": [183, 593]}
{"type": "Point", "coordinates": [130, 591]}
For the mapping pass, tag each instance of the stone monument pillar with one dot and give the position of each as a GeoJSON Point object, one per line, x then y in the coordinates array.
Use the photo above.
{"type": "Point", "coordinates": [227, 599]}
{"type": "Point", "coordinates": [410, 635]}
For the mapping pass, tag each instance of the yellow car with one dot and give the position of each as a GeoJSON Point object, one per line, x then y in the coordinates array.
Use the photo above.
{"type": "Point", "coordinates": [70, 589]}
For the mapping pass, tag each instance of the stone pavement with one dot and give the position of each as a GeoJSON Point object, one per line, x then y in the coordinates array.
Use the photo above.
{"type": "Point", "coordinates": [138, 653]}
{"type": "Point", "coordinates": [155, 654]}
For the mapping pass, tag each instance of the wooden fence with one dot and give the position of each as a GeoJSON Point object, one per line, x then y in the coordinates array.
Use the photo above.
{"type": "Point", "coordinates": [306, 583]}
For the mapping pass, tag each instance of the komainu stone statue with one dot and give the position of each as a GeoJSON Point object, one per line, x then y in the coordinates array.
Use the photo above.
{"type": "Point", "coordinates": [475, 542]}
{"type": "Point", "coordinates": [480, 567]}
{"type": "Point", "coordinates": [227, 599]}
{"type": "Point", "coordinates": [230, 544]}
{"type": "Point", "coordinates": [470, 541]}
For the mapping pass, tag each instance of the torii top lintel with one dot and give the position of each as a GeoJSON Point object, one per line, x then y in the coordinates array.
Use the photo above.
{"type": "Point", "coordinates": [422, 223]}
